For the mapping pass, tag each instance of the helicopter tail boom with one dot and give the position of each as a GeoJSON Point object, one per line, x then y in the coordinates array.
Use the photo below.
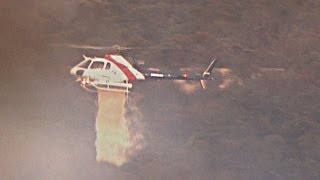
{"type": "Point", "coordinates": [151, 74]}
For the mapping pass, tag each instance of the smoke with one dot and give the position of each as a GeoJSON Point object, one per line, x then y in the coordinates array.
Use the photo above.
{"type": "Point", "coordinates": [188, 87]}
{"type": "Point", "coordinates": [228, 78]}
{"type": "Point", "coordinates": [117, 133]}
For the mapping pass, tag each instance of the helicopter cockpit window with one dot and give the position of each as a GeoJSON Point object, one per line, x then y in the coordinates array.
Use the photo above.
{"type": "Point", "coordinates": [108, 66]}
{"type": "Point", "coordinates": [97, 65]}
{"type": "Point", "coordinates": [85, 64]}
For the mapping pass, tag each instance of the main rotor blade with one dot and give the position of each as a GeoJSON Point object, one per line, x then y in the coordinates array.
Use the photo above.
{"type": "Point", "coordinates": [76, 46]}
{"type": "Point", "coordinates": [114, 47]}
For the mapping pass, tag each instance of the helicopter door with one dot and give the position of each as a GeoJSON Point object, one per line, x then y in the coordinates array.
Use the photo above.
{"type": "Point", "coordinates": [107, 73]}
{"type": "Point", "coordinates": [97, 72]}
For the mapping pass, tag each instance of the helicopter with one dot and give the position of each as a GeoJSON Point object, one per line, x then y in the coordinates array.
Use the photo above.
{"type": "Point", "coordinates": [113, 72]}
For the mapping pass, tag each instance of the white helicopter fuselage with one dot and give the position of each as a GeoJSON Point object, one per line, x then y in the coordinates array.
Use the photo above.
{"type": "Point", "coordinates": [113, 70]}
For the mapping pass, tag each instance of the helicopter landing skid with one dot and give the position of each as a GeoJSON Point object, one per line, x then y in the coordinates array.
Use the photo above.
{"type": "Point", "coordinates": [117, 87]}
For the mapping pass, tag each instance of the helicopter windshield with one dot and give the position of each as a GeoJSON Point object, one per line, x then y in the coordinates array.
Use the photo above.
{"type": "Point", "coordinates": [85, 64]}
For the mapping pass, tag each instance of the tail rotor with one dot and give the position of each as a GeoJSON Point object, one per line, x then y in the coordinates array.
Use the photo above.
{"type": "Point", "coordinates": [206, 74]}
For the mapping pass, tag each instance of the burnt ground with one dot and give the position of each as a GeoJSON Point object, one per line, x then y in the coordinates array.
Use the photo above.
{"type": "Point", "coordinates": [260, 121]}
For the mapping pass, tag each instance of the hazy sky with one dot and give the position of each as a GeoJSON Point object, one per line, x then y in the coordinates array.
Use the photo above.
{"type": "Point", "coordinates": [259, 119]}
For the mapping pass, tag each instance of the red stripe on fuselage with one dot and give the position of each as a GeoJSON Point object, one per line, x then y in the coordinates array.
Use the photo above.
{"type": "Point", "coordinates": [123, 68]}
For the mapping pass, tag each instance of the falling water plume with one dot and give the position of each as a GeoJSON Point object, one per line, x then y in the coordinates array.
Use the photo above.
{"type": "Point", "coordinates": [114, 141]}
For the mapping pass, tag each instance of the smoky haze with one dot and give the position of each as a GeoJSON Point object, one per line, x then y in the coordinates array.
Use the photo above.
{"type": "Point", "coordinates": [259, 118]}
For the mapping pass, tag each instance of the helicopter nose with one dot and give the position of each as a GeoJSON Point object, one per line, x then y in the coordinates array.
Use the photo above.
{"type": "Point", "coordinates": [76, 71]}
{"type": "Point", "coordinates": [73, 71]}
